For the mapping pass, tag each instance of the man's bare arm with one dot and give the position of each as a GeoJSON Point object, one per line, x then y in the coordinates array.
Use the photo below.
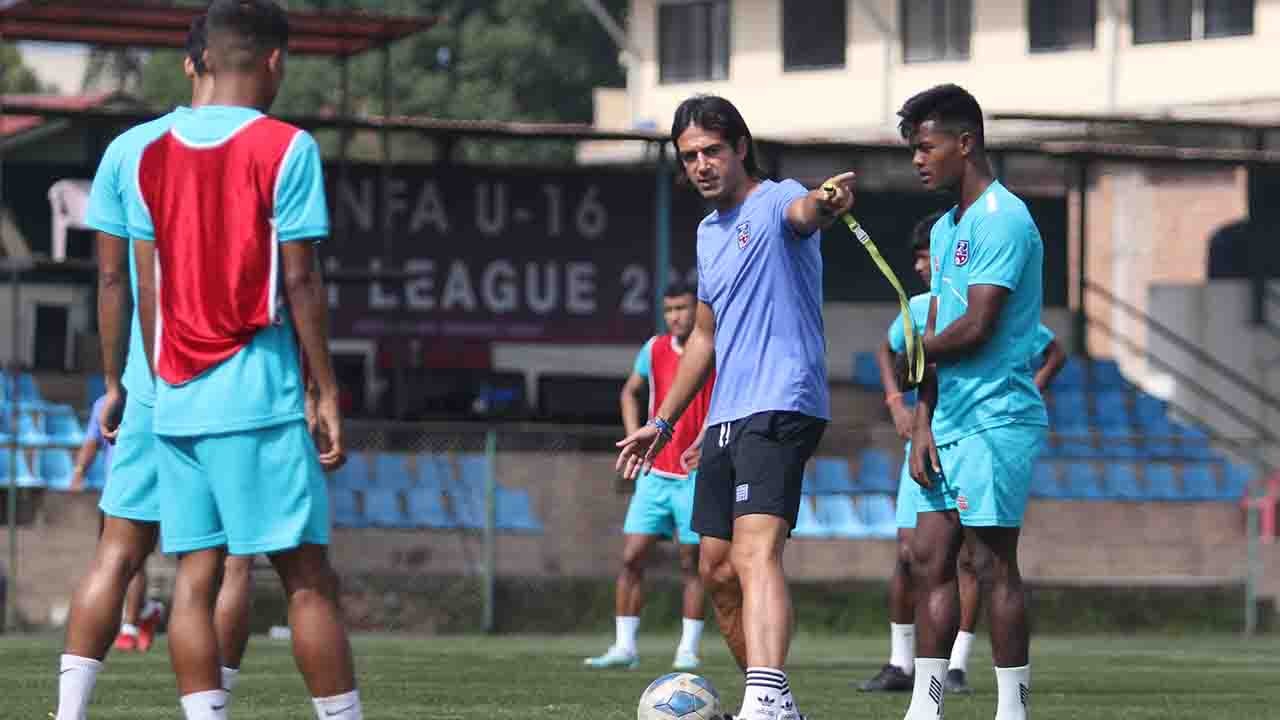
{"type": "Point", "coordinates": [971, 330]}
{"type": "Point", "coordinates": [144, 257]}
{"type": "Point", "coordinates": [1054, 358]}
{"type": "Point", "coordinates": [303, 285]}
{"type": "Point", "coordinates": [114, 305]}
{"type": "Point", "coordinates": [632, 409]}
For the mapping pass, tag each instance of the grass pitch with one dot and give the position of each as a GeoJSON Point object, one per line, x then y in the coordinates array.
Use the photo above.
{"type": "Point", "coordinates": [541, 678]}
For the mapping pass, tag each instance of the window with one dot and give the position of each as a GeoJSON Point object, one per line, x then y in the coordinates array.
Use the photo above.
{"type": "Point", "coordinates": [813, 34]}
{"type": "Point", "coordinates": [693, 41]}
{"type": "Point", "coordinates": [935, 29]}
{"type": "Point", "coordinates": [1173, 20]}
{"type": "Point", "coordinates": [1062, 24]}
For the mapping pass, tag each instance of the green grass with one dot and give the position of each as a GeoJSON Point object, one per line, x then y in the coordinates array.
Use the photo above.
{"type": "Point", "coordinates": [540, 678]}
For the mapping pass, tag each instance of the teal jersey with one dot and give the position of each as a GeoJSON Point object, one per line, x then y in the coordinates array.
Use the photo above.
{"type": "Point", "coordinates": [643, 363]}
{"type": "Point", "coordinates": [112, 198]}
{"type": "Point", "coordinates": [996, 242]}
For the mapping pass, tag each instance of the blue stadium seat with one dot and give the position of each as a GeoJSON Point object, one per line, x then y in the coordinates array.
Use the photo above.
{"type": "Point", "coordinates": [1161, 483]}
{"type": "Point", "coordinates": [1193, 442]}
{"type": "Point", "coordinates": [96, 477]}
{"type": "Point", "coordinates": [345, 511]}
{"type": "Point", "coordinates": [876, 473]}
{"type": "Point", "coordinates": [1071, 377]}
{"type": "Point", "coordinates": [839, 516]}
{"type": "Point", "coordinates": [1119, 442]}
{"type": "Point", "coordinates": [355, 474]}
{"type": "Point", "coordinates": [807, 523]}
{"type": "Point", "coordinates": [24, 476]}
{"type": "Point", "coordinates": [1236, 481]}
{"type": "Point", "coordinates": [434, 471]}
{"type": "Point", "coordinates": [1199, 482]}
{"type": "Point", "coordinates": [62, 425]}
{"type": "Point", "coordinates": [1111, 410]}
{"type": "Point", "coordinates": [28, 391]}
{"type": "Point", "coordinates": [1044, 481]}
{"type": "Point", "coordinates": [6, 431]}
{"type": "Point", "coordinates": [1122, 482]}
{"type": "Point", "coordinates": [466, 510]}
{"type": "Point", "coordinates": [831, 475]}
{"type": "Point", "coordinates": [1068, 407]}
{"type": "Point", "coordinates": [95, 387]}
{"type": "Point", "coordinates": [426, 509]}
{"type": "Point", "coordinates": [878, 515]}
{"type": "Point", "coordinates": [1082, 482]}
{"type": "Point", "coordinates": [1159, 441]}
{"type": "Point", "coordinates": [515, 511]}
{"type": "Point", "coordinates": [382, 508]}
{"type": "Point", "coordinates": [1149, 412]}
{"type": "Point", "coordinates": [30, 430]}
{"type": "Point", "coordinates": [55, 468]}
{"type": "Point", "coordinates": [391, 471]}
{"type": "Point", "coordinates": [866, 372]}
{"type": "Point", "coordinates": [1105, 375]}
{"type": "Point", "coordinates": [1073, 441]}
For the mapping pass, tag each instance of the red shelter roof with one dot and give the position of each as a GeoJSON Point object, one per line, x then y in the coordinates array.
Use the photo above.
{"type": "Point", "coordinates": [154, 25]}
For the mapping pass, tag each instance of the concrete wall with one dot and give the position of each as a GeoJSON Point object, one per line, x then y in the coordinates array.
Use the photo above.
{"type": "Point", "coordinates": [78, 300]}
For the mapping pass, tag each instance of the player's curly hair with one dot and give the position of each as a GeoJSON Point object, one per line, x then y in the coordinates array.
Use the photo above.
{"type": "Point", "coordinates": [677, 288]}
{"type": "Point", "coordinates": [197, 41]}
{"type": "Point", "coordinates": [712, 112]}
{"type": "Point", "coordinates": [240, 32]}
{"type": "Point", "coordinates": [950, 106]}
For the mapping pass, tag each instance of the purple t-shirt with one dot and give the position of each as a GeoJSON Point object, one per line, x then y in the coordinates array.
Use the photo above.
{"type": "Point", "coordinates": [94, 430]}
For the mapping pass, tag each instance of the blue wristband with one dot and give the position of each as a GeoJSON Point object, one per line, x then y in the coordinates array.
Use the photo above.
{"type": "Point", "coordinates": [664, 428]}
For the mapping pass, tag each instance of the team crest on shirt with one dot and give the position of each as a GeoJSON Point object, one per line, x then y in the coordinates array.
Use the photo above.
{"type": "Point", "coordinates": [962, 502]}
{"type": "Point", "coordinates": [744, 234]}
{"type": "Point", "coordinates": [962, 252]}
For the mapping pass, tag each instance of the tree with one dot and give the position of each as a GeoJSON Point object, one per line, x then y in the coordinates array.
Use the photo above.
{"type": "Point", "coordinates": [14, 76]}
{"type": "Point", "coordinates": [114, 69]}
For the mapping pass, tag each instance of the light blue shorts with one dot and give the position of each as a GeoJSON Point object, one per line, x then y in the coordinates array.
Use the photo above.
{"type": "Point", "coordinates": [986, 476]}
{"type": "Point", "coordinates": [907, 494]}
{"type": "Point", "coordinates": [662, 506]}
{"type": "Point", "coordinates": [258, 491]}
{"type": "Point", "coordinates": [132, 491]}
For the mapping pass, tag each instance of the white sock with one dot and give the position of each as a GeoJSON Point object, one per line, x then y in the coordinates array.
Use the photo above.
{"type": "Point", "coordinates": [929, 689]}
{"type": "Point", "coordinates": [1013, 686]}
{"type": "Point", "coordinates": [76, 679]}
{"type": "Point", "coordinates": [230, 676]}
{"type": "Point", "coordinates": [764, 695]}
{"type": "Point", "coordinates": [207, 705]}
{"type": "Point", "coordinates": [902, 646]}
{"type": "Point", "coordinates": [960, 651]}
{"type": "Point", "coordinates": [691, 636]}
{"type": "Point", "coordinates": [625, 636]}
{"type": "Point", "coordinates": [339, 707]}
{"type": "Point", "coordinates": [129, 629]}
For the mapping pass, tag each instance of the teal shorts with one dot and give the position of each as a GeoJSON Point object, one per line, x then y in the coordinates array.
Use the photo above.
{"type": "Point", "coordinates": [986, 477]}
{"type": "Point", "coordinates": [907, 493]}
{"type": "Point", "coordinates": [257, 491]}
{"type": "Point", "coordinates": [132, 491]}
{"type": "Point", "coordinates": [662, 506]}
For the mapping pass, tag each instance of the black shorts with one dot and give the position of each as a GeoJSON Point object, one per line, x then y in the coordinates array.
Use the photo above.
{"type": "Point", "coordinates": [754, 465]}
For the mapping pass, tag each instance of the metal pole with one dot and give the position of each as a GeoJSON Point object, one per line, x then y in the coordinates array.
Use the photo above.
{"type": "Point", "coordinates": [662, 236]}
{"type": "Point", "coordinates": [1251, 567]}
{"type": "Point", "coordinates": [11, 506]}
{"type": "Point", "coordinates": [490, 527]}
{"type": "Point", "coordinates": [1081, 320]}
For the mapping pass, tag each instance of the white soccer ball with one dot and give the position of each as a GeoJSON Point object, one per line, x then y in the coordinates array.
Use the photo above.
{"type": "Point", "coordinates": [679, 696]}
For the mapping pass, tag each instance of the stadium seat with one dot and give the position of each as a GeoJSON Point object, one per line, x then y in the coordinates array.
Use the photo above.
{"type": "Point", "coordinates": [839, 516]}
{"type": "Point", "coordinates": [1193, 442]}
{"type": "Point", "coordinates": [1158, 441]}
{"type": "Point", "coordinates": [1161, 483]}
{"type": "Point", "coordinates": [30, 430]}
{"type": "Point", "coordinates": [1122, 482]}
{"type": "Point", "coordinates": [382, 508]}
{"type": "Point", "coordinates": [434, 471]}
{"type": "Point", "coordinates": [1149, 412]}
{"type": "Point", "coordinates": [1200, 483]}
{"type": "Point", "coordinates": [95, 387]}
{"type": "Point", "coordinates": [866, 372]}
{"type": "Point", "coordinates": [1044, 481]}
{"type": "Point", "coordinates": [24, 477]}
{"type": "Point", "coordinates": [28, 391]}
{"type": "Point", "coordinates": [426, 509]}
{"type": "Point", "coordinates": [345, 511]}
{"type": "Point", "coordinates": [6, 431]}
{"type": "Point", "coordinates": [831, 475]}
{"type": "Point", "coordinates": [62, 425]}
{"type": "Point", "coordinates": [1105, 375]}
{"type": "Point", "coordinates": [391, 471]}
{"type": "Point", "coordinates": [1071, 377]}
{"type": "Point", "coordinates": [515, 511]}
{"type": "Point", "coordinates": [355, 474]}
{"type": "Point", "coordinates": [876, 473]}
{"type": "Point", "coordinates": [96, 478]}
{"type": "Point", "coordinates": [1119, 443]}
{"type": "Point", "coordinates": [1237, 479]}
{"type": "Point", "coordinates": [1068, 407]}
{"type": "Point", "coordinates": [465, 510]}
{"type": "Point", "coordinates": [878, 515]}
{"type": "Point", "coordinates": [1082, 482]}
{"type": "Point", "coordinates": [1073, 441]}
{"type": "Point", "coordinates": [1111, 410]}
{"type": "Point", "coordinates": [55, 468]}
{"type": "Point", "coordinates": [807, 523]}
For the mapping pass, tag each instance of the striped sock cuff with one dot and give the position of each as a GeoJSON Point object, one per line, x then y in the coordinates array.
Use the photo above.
{"type": "Point", "coordinates": [768, 678]}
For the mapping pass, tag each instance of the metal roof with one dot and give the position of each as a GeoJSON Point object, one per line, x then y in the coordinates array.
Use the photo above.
{"type": "Point", "coordinates": [141, 23]}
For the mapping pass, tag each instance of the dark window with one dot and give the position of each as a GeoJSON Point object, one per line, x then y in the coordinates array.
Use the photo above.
{"type": "Point", "coordinates": [813, 34]}
{"type": "Point", "coordinates": [1062, 24]}
{"type": "Point", "coordinates": [936, 29]}
{"type": "Point", "coordinates": [693, 41]}
{"type": "Point", "coordinates": [1224, 18]}
{"type": "Point", "coordinates": [1161, 20]}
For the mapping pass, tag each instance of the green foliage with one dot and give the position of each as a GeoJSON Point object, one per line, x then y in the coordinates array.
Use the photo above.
{"type": "Point", "coordinates": [14, 76]}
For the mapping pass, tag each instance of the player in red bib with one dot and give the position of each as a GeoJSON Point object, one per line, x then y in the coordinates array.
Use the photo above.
{"type": "Point", "coordinates": [663, 502]}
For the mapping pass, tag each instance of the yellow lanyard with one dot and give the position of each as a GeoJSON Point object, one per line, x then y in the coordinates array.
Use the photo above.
{"type": "Point", "coordinates": [915, 345]}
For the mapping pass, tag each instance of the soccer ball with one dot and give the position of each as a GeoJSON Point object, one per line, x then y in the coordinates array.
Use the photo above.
{"type": "Point", "coordinates": [679, 696]}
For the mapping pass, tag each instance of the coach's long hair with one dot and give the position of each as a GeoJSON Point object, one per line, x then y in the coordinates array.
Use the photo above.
{"type": "Point", "coordinates": [712, 112]}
